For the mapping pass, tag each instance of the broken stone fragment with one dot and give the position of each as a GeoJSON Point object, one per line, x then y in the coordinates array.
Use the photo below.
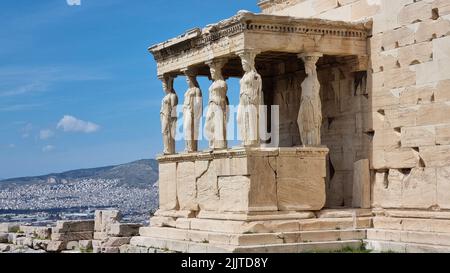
{"type": "Point", "coordinates": [124, 230]}
{"type": "Point", "coordinates": [56, 246]}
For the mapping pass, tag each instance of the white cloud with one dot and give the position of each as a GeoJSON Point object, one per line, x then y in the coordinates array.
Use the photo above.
{"type": "Point", "coordinates": [48, 148]}
{"type": "Point", "coordinates": [46, 134]}
{"type": "Point", "coordinates": [72, 124]}
{"type": "Point", "coordinates": [23, 89]}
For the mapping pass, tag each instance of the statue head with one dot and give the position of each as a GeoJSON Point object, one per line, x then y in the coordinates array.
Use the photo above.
{"type": "Point", "coordinates": [191, 79]}
{"type": "Point", "coordinates": [248, 61]}
{"type": "Point", "coordinates": [215, 68]}
{"type": "Point", "coordinates": [310, 64]}
{"type": "Point", "coordinates": [167, 84]}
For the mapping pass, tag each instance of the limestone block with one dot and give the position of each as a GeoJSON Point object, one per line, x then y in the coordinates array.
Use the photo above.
{"type": "Point", "coordinates": [419, 189]}
{"type": "Point", "coordinates": [402, 116]}
{"type": "Point", "coordinates": [234, 193]}
{"type": "Point", "coordinates": [161, 221]}
{"type": "Point", "coordinates": [384, 97]}
{"type": "Point", "coordinates": [12, 237]}
{"type": "Point", "coordinates": [231, 166]}
{"type": "Point", "coordinates": [97, 246]}
{"type": "Point", "coordinates": [324, 5]}
{"type": "Point", "coordinates": [263, 186]}
{"type": "Point", "coordinates": [377, 81]}
{"type": "Point", "coordinates": [387, 189]}
{"type": "Point", "coordinates": [72, 236]}
{"type": "Point", "coordinates": [435, 156]}
{"type": "Point", "coordinates": [400, 77]}
{"type": "Point", "coordinates": [207, 189]}
{"type": "Point", "coordinates": [186, 186]}
{"type": "Point", "coordinates": [363, 9]}
{"type": "Point", "coordinates": [443, 187]}
{"type": "Point", "coordinates": [416, 12]}
{"type": "Point", "coordinates": [85, 244]}
{"type": "Point", "coordinates": [116, 241]}
{"type": "Point", "coordinates": [414, 95]}
{"type": "Point", "coordinates": [182, 223]}
{"type": "Point", "coordinates": [164, 233]}
{"type": "Point", "coordinates": [441, 94]}
{"type": "Point", "coordinates": [414, 54]}
{"type": "Point", "coordinates": [36, 232]}
{"type": "Point", "coordinates": [361, 184]}
{"type": "Point", "coordinates": [20, 241]}
{"type": "Point", "coordinates": [73, 226]}
{"type": "Point", "coordinates": [387, 139]}
{"type": "Point", "coordinates": [168, 186]}
{"type": "Point", "coordinates": [301, 193]}
{"type": "Point", "coordinates": [431, 72]}
{"type": "Point", "coordinates": [259, 239]}
{"type": "Point", "coordinates": [100, 236]}
{"type": "Point", "coordinates": [110, 250]}
{"type": "Point", "coordinates": [431, 29]}
{"type": "Point", "coordinates": [302, 9]}
{"type": "Point", "coordinates": [28, 242]}
{"type": "Point", "coordinates": [40, 244]}
{"type": "Point", "coordinates": [381, 222]}
{"type": "Point", "coordinates": [300, 186]}
{"type": "Point", "coordinates": [9, 227]}
{"type": "Point", "coordinates": [418, 136]}
{"type": "Point", "coordinates": [443, 6]}
{"type": "Point", "coordinates": [124, 230]}
{"type": "Point", "coordinates": [340, 14]}
{"type": "Point", "coordinates": [397, 38]}
{"type": "Point", "coordinates": [73, 245]}
{"type": "Point", "coordinates": [389, 59]}
{"type": "Point", "coordinates": [5, 248]}
{"type": "Point", "coordinates": [3, 238]}
{"type": "Point", "coordinates": [56, 246]}
{"type": "Point", "coordinates": [443, 134]}
{"type": "Point", "coordinates": [334, 224]}
{"type": "Point", "coordinates": [441, 48]}
{"type": "Point", "coordinates": [402, 158]}
{"type": "Point", "coordinates": [105, 218]}
{"type": "Point", "coordinates": [435, 113]}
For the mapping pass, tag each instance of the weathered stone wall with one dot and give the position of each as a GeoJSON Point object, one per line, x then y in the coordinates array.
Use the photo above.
{"type": "Point", "coordinates": [344, 102]}
{"type": "Point", "coordinates": [408, 120]}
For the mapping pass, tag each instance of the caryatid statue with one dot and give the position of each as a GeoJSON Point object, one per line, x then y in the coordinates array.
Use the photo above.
{"type": "Point", "coordinates": [250, 100]}
{"type": "Point", "coordinates": [217, 114]}
{"type": "Point", "coordinates": [192, 111]}
{"type": "Point", "coordinates": [310, 115]}
{"type": "Point", "coordinates": [168, 115]}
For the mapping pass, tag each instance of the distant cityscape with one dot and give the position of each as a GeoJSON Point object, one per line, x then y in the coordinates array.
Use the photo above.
{"type": "Point", "coordinates": [44, 201]}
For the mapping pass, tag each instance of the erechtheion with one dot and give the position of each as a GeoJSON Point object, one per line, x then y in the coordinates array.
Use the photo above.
{"type": "Point", "coordinates": [362, 153]}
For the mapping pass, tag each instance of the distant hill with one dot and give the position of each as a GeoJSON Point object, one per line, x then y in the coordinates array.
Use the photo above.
{"type": "Point", "coordinates": [129, 187]}
{"type": "Point", "coordinates": [141, 173]}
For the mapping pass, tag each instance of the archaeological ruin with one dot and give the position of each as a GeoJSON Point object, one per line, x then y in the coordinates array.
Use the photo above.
{"type": "Point", "coordinates": [361, 149]}
{"type": "Point", "coordinates": [344, 125]}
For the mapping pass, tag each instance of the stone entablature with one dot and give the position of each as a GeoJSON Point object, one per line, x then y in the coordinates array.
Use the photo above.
{"type": "Point", "coordinates": [247, 31]}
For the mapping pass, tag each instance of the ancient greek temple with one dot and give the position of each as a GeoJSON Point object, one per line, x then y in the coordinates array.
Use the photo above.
{"type": "Point", "coordinates": [361, 144]}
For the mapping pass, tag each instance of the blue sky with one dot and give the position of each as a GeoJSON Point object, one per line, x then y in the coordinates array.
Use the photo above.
{"type": "Point", "coordinates": [78, 88]}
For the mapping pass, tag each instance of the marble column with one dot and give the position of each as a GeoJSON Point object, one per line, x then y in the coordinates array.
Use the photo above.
{"type": "Point", "coordinates": [310, 114]}
{"type": "Point", "coordinates": [217, 114]}
{"type": "Point", "coordinates": [250, 100]}
{"type": "Point", "coordinates": [168, 114]}
{"type": "Point", "coordinates": [192, 111]}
